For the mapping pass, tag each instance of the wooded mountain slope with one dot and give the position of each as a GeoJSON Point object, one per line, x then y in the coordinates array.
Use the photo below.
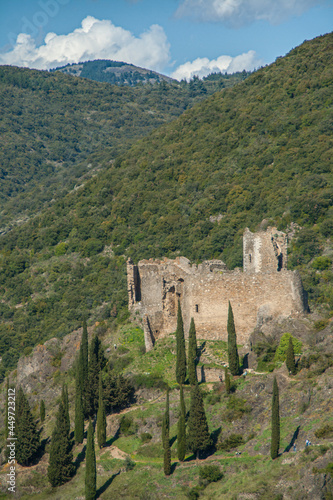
{"type": "Point", "coordinates": [261, 150]}
{"type": "Point", "coordinates": [53, 124]}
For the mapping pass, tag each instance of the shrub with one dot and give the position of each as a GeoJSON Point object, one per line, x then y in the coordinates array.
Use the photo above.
{"type": "Point", "coordinates": [209, 474]}
{"type": "Point", "coordinates": [324, 432]}
{"type": "Point", "coordinates": [281, 351]}
{"type": "Point", "coordinates": [321, 263]}
{"type": "Point", "coordinates": [233, 441]}
{"type": "Point", "coordinates": [148, 381]}
{"type": "Point", "coordinates": [61, 249]}
{"type": "Point", "coordinates": [129, 464]}
{"type": "Point", "coordinates": [145, 437]}
{"type": "Point", "coordinates": [127, 426]}
{"type": "Point", "coordinates": [236, 407]}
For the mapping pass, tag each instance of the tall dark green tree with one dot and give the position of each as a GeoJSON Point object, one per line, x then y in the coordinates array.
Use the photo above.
{"type": "Point", "coordinates": [101, 418]}
{"type": "Point", "coordinates": [275, 437]}
{"type": "Point", "coordinates": [90, 478]}
{"type": "Point", "coordinates": [198, 437]}
{"type": "Point", "coordinates": [83, 366]}
{"type": "Point", "coordinates": [25, 430]}
{"type": "Point", "coordinates": [181, 431]}
{"type": "Point", "coordinates": [227, 380]}
{"type": "Point", "coordinates": [166, 438]}
{"type": "Point", "coordinates": [166, 419]}
{"type": "Point", "coordinates": [192, 354]}
{"type": "Point", "coordinates": [42, 411]}
{"type": "Point", "coordinates": [97, 362]}
{"type": "Point", "coordinates": [290, 360]}
{"type": "Point", "coordinates": [61, 467]}
{"type": "Point", "coordinates": [233, 358]}
{"type": "Point", "coordinates": [180, 347]}
{"type": "Point", "coordinates": [79, 412]}
{"type": "Point", "coordinates": [64, 398]}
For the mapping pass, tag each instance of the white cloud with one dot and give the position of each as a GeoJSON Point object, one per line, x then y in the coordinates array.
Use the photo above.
{"type": "Point", "coordinates": [224, 64]}
{"type": "Point", "coordinates": [96, 39]}
{"type": "Point", "coordinates": [238, 13]}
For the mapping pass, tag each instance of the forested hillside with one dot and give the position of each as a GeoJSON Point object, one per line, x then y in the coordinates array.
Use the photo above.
{"type": "Point", "coordinates": [53, 125]}
{"type": "Point", "coordinates": [260, 150]}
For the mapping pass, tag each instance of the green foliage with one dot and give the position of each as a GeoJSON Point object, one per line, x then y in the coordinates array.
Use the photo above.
{"type": "Point", "coordinates": [145, 437]}
{"type": "Point", "coordinates": [90, 474]}
{"type": "Point", "coordinates": [258, 150]}
{"type": "Point", "coordinates": [233, 358]}
{"type": "Point", "coordinates": [166, 421]}
{"type": "Point", "coordinates": [209, 474]}
{"type": "Point", "coordinates": [275, 433]}
{"type": "Point", "coordinates": [236, 408]}
{"type": "Point", "coordinates": [325, 431]}
{"type": "Point", "coordinates": [127, 426]}
{"type": "Point", "coordinates": [166, 438]}
{"type": "Point", "coordinates": [198, 437]}
{"type": "Point", "coordinates": [148, 381]}
{"type": "Point", "coordinates": [61, 467]}
{"type": "Point", "coordinates": [118, 392]}
{"type": "Point", "coordinates": [97, 362]}
{"type": "Point", "coordinates": [321, 263]}
{"type": "Point", "coordinates": [129, 464]}
{"type": "Point", "coordinates": [101, 418]}
{"type": "Point", "coordinates": [61, 249]}
{"type": "Point", "coordinates": [42, 411]}
{"type": "Point", "coordinates": [192, 354]}
{"type": "Point", "coordinates": [79, 411]}
{"type": "Point", "coordinates": [227, 380]}
{"type": "Point", "coordinates": [181, 428]}
{"type": "Point", "coordinates": [281, 351]}
{"type": "Point", "coordinates": [232, 441]}
{"type": "Point", "coordinates": [290, 357]}
{"type": "Point", "coordinates": [25, 431]}
{"type": "Point", "coordinates": [180, 348]}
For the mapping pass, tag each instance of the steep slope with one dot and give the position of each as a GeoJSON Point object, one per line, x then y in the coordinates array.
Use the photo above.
{"type": "Point", "coordinates": [53, 125]}
{"type": "Point", "coordinates": [260, 150]}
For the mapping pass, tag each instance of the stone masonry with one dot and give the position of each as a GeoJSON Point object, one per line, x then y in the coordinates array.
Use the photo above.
{"type": "Point", "coordinates": [264, 290]}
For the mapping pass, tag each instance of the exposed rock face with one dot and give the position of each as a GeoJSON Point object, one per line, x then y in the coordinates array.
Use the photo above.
{"type": "Point", "coordinates": [264, 291]}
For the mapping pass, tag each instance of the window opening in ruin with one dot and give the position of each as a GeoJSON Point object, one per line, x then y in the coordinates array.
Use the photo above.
{"type": "Point", "coordinates": [137, 285]}
{"type": "Point", "coordinates": [196, 308]}
{"type": "Point", "coordinates": [250, 257]}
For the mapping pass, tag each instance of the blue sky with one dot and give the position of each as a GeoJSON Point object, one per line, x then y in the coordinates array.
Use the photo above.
{"type": "Point", "coordinates": [176, 37]}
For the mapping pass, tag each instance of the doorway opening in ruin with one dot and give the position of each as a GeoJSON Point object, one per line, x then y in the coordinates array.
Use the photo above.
{"type": "Point", "coordinates": [137, 285]}
{"type": "Point", "coordinates": [169, 302]}
{"type": "Point", "coordinates": [280, 261]}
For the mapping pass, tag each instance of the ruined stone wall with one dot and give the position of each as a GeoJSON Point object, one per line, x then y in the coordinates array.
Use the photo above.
{"type": "Point", "coordinates": [265, 290]}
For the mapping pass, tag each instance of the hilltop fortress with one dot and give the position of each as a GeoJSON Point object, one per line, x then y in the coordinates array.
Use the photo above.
{"type": "Point", "coordinates": [264, 290]}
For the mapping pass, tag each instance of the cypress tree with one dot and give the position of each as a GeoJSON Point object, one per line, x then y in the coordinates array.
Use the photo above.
{"type": "Point", "coordinates": [90, 478]}
{"type": "Point", "coordinates": [166, 420]}
{"type": "Point", "coordinates": [83, 367]}
{"type": "Point", "coordinates": [198, 434]}
{"type": "Point", "coordinates": [275, 438]}
{"type": "Point", "coordinates": [79, 413]}
{"type": "Point", "coordinates": [166, 438]}
{"type": "Point", "coordinates": [192, 354]}
{"type": "Point", "coordinates": [64, 398]}
{"type": "Point", "coordinates": [233, 358]}
{"type": "Point", "coordinates": [101, 418]}
{"type": "Point", "coordinates": [42, 411]}
{"type": "Point", "coordinates": [25, 430]}
{"type": "Point", "coordinates": [180, 346]}
{"type": "Point", "coordinates": [181, 434]}
{"type": "Point", "coordinates": [227, 380]}
{"type": "Point", "coordinates": [61, 466]}
{"type": "Point", "coordinates": [290, 360]}
{"type": "Point", "coordinates": [96, 363]}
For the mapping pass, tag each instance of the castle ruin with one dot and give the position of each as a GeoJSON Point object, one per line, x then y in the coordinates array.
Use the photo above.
{"type": "Point", "coordinates": [264, 290]}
